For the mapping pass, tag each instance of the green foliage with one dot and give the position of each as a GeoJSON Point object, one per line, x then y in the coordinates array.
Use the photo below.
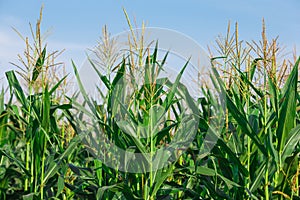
{"type": "Point", "coordinates": [43, 152]}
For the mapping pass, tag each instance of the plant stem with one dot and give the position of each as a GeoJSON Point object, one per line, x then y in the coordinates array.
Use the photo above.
{"type": "Point", "coordinates": [265, 43]}
{"type": "Point", "coordinates": [43, 170]}
{"type": "Point", "coordinates": [248, 137]}
{"type": "Point", "coordinates": [151, 152]}
{"type": "Point", "coordinates": [267, 182]}
{"type": "Point", "coordinates": [27, 164]}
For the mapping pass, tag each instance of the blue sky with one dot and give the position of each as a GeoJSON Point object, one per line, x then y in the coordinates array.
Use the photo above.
{"type": "Point", "coordinates": [76, 25]}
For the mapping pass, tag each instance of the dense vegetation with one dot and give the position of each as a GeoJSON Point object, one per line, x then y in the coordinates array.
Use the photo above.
{"type": "Point", "coordinates": [42, 155]}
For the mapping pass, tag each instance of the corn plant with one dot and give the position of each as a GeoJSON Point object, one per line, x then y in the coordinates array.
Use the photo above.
{"type": "Point", "coordinates": [261, 131]}
{"type": "Point", "coordinates": [32, 149]}
{"type": "Point", "coordinates": [49, 149]}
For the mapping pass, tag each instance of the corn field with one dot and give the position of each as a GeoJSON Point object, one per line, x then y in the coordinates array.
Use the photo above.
{"type": "Point", "coordinates": [256, 156]}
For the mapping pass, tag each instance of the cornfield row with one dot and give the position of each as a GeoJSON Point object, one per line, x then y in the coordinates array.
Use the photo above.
{"type": "Point", "coordinates": [43, 152]}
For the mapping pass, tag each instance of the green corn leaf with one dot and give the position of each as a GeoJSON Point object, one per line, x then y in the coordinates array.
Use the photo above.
{"type": "Point", "coordinates": [162, 63]}
{"type": "Point", "coordinates": [75, 169]}
{"type": "Point", "coordinates": [82, 89]}
{"type": "Point", "coordinates": [210, 172]}
{"type": "Point", "coordinates": [120, 74]}
{"type": "Point", "coordinates": [57, 85]}
{"type": "Point", "coordinates": [160, 177]}
{"type": "Point", "coordinates": [116, 188]}
{"type": "Point", "coordinates": [60, 185]}
{"type": "Point", "coordinates": [274, 96]}
{"type": "Point", "coordinates": [2, 103]}
{"type": "Point", "coordinates": [3, 121]}
{"type": "Point", "coordinates": [239, 116]}
{"type": "Point", "coordinates": [14, 84]}
{"type": "Point", "coordinates": [249, 82]}
{"type": "Point", "coordinates": [18, 162]}
{"type": "Point", "coordinates": [38, 66]}
{"type": "Point", "coordinates": [46, 110]}
{"type": "Point", "coordinates": [243, 123]}
{"type": "Point", "coordinates": [258, 178]}
{"type": "Point", "coordinates": [31, 196]}
{"type": "Point", "coordinates": [150, 67]}
{"type": "Point", "coordinates": [233, 157]}
{"type": "Point", "coordinates": [253, 68]}
{"type": "Point", "coordinates": [291, 142]}
{"type": "Point", "coordinates": [103, 78]}
{"type": "Point", "coordinates": [271, 147]}
{"type": "Point", "coordinates": [106, 82]}
{"type": "Point", "coordinates": [164, 132]}
{"type": "Point", "coordinates": [170, 96]}
{"type": "Point", "coordinates": [130, 129]}
{"type": "Point", "coordinates": [53, 108]}
{"type": "Point", "coordinates": [205, 171]}
{"type": "Point", "coordinates": [55, 165]}
{"type": "Point", "coordinates": [287, 108]}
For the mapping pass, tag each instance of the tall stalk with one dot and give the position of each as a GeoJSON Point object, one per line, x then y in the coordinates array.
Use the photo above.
{"type": "Point", "coordinates": [265, 73]}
